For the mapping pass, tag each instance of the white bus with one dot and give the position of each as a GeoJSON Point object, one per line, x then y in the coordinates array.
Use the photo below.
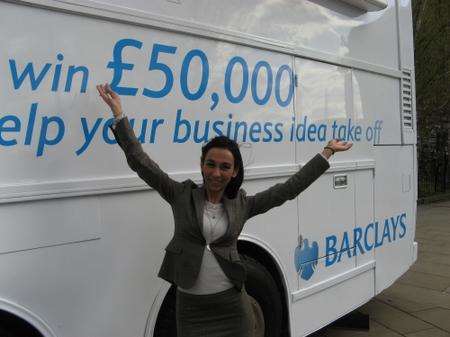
{"type": "Point", "coordinates": [82, 237]}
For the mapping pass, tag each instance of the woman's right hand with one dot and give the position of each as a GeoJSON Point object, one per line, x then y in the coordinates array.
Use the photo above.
{"type": "Point", "coordinates": [110, 98]}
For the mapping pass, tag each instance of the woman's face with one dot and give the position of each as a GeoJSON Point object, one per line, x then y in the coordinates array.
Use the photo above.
{"type": "Point", "coordinates": [218, 169]}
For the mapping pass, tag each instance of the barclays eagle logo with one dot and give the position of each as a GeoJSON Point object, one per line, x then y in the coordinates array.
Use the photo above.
{"type": "Point", "coordinates": [306, 258]}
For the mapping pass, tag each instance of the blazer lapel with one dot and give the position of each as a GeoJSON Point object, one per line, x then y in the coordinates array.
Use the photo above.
{"type": "Point", "coordinates": [198, 195]}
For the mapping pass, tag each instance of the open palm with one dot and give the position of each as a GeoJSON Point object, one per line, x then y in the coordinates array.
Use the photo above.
{"type": "Point", "coordinates": [339, 146]}
{"type": "Point", "coordinates": [110, 98]}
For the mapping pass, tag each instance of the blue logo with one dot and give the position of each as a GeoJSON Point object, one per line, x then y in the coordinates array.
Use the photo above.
{"type": "Point", "coordinates": [306, 258]}
{"type": "Point", "coordinates": [348, 244]}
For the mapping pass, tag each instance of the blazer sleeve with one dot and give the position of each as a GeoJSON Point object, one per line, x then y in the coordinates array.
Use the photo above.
{"type": "Point", "coordinates": [278, 194]}
{"type": "Point", "coordinates": [142, 164]}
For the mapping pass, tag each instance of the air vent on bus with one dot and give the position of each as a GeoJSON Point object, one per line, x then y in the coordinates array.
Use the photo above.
{"type": "Point", "coordinates": [407, 99]}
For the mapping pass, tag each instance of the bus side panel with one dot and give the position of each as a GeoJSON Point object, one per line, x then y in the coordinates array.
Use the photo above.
{"type": "Point", "coordinates": [31, 225]}
{"type": "Point", "coordinates": [327, 213]}
{"type": "Point", "coordinates": [406, 37]}
{"type": "Point", "coordinates": [364, 215]}
{"type": "Point", "coordinates": [101, 287]}
{"type": "Point", "coordinates": [319, 309]}
{"type": "Point", "coordinates": [394, 194]}
{"type": "Point", "coordinates": [377, 103]}
{"type": "Point", "coordinates": [336, 210]}
{"type": "Point", "coordinates": [276, 231]}
{"type": "Point", "coordinates": [392, 230]}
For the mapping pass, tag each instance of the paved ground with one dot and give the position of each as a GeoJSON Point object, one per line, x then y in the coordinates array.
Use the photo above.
{"type": "Point", "coordinates": [418, 304]}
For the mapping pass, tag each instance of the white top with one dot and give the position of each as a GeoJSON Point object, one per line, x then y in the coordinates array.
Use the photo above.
{"type": "Point", "coordinates": [211, 279]}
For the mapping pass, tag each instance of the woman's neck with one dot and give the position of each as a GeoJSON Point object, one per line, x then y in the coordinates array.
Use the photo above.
{"type": "Point", "coordinates": [214, 197]}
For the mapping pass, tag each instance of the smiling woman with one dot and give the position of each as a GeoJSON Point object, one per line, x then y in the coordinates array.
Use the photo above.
{"type": "Point", "coordinates": [211, 296]}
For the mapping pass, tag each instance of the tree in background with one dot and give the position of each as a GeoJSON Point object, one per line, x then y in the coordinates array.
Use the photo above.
{"type": "Point", "coordinates": [431, 24]}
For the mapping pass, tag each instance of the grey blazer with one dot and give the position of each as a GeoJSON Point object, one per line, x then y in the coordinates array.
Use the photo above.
{"type": "Point", "coordinates": [184, 252]}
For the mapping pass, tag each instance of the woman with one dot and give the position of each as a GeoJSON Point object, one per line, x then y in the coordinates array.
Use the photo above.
{"type": "Point", "coordinates": [202, 258]}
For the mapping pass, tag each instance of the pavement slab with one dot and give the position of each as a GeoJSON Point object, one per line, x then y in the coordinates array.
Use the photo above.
{"type": "Point", "coordinates": [439, 317]}
{"type": "Point", "coordinates": [430, 281]}
{"type": "Point", "coordinates": [426, 257]}
{"type": "Point", "coordinates": [376, 330]}
{"type": "Point", "coordinates": [403, 303]}
{"type": "Point", "coordinates": [429, 333]}
{"type": "Point", "coordinates": [393, 318]}
{"type": "Point", "coordinates": [432, 268]}
{"type": "Point", "coordinates": [440, 235]}
{"type": "Point", "coordinates": [419, 295]}
{"type": "Point", "coordinates": [429, 247]}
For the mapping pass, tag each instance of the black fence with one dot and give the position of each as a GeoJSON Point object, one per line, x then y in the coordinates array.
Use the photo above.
{"type": "Point", "coordinates": [433, 157]}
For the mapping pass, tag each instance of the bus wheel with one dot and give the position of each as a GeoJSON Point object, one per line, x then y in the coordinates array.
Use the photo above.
{"type": "Point", "coordinates": [13, 326]}
{"type": "Point", "coordinates": [265, 299]}
{"type": "Point", "coordinates": [166, 321]}
{"type": "Point", "coordinates": [5, 333]}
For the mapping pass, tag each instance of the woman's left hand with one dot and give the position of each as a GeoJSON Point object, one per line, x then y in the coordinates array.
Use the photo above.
{"type": "Point", "coordinates": [339, 146]}
{"type": "Point", "coordinates": [336, 146]}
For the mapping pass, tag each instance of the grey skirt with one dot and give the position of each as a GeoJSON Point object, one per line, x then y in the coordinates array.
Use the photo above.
{"type": "Point", "coordinates": [224, 314]}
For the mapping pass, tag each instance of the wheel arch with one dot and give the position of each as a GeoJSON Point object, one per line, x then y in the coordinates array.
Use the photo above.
{"type": "Point", "coordinates": [262, 254]}
{"type": "Point", "coordinates": [20, 317]}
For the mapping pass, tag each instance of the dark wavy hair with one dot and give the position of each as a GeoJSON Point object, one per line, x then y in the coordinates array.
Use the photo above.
{"type": "Point", "coordinates": [224, 142]}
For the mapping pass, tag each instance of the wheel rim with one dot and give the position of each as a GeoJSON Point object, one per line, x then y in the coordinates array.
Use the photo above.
{"type": "Point", "coordinates": [258, 318]}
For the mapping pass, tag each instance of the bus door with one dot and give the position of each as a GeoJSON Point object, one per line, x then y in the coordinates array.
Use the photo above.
{"type": "Point", "coordinates": [332, 262]}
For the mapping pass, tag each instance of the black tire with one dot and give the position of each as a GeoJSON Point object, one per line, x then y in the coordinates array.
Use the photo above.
{"type": "Point", "coordinates": [12, 326]}
{"type": "Point", "coordinates": [262, 287]}
{"type": "Point", "coordinates": [5, 333]}
{"type": "Point", "coordinates": [166, 322]}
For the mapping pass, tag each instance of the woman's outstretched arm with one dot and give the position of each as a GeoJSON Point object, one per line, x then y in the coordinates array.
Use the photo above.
{"type": "Point", "coordinates": [278, 194]}
{"type": "Point", "coordinates": [137, 159]}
